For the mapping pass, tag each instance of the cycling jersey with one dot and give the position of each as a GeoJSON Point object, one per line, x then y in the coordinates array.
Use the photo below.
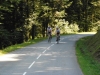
{"type": "Point", "coordinates": [58, 31]}
{"type": "Point", "coordinates": [49, 30]}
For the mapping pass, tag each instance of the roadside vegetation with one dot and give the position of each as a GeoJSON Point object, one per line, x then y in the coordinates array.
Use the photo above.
{"type": "Point", "coordinates": [18, 46]}
{"type": "Point", "coordinates": [24, 20]}
{"type": "Point", "coordinates": [87, 49]}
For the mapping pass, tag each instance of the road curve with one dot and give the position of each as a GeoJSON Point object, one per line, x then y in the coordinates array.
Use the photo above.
{"type": "Point", "coordinates": [43, 58]}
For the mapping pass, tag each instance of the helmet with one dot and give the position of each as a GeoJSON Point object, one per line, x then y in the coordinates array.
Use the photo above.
{"type": "Point", "coordinates": [49, 27]}
{"type": "Point", "coordinates": [56, 27]}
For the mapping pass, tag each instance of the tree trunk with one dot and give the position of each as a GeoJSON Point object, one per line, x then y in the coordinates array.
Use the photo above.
{"type": "Point", "coordinates": [33, 31]}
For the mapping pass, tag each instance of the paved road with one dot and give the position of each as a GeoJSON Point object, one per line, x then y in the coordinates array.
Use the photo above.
{"type": "Point", "coordinates": [43, 58]}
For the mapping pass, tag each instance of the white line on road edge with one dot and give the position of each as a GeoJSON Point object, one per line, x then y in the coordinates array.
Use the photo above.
{"type": "Point", "coordinates": [38, 56]}
{"type": "Point", "coordinates": [24, 73]}
{"type": "Point", "coordinates": [31, 65]}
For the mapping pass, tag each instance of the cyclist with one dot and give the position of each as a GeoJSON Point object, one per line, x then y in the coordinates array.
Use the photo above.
{"type": "Point", "coordinates": [57, 33]}
{"type": "Point", "coordinates": [49, 31]}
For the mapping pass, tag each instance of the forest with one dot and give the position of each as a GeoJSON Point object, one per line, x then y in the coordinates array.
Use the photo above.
{"type": "Point", "coordinates": [22, 20]}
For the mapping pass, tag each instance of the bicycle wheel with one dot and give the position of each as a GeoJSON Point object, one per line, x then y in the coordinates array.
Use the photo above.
{"type": "Point", "coordinates": [57, 39]}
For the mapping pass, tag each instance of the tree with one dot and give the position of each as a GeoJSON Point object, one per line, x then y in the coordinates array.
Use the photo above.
{"type": "Point", "coordinates": [81, 11]}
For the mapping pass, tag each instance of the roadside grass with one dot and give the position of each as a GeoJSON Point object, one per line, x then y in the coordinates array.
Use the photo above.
{"type": "Point", "coordinates": [87, 62]}
{"type": "Point", "coordinates": [18, 46]}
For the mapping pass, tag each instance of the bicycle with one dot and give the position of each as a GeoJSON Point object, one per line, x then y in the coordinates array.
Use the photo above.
{"type": "Point", "coordinates": [58, 39]}
{"type": "Point", "coordinates": [49, 37]}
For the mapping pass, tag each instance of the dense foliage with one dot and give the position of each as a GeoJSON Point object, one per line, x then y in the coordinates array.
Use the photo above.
{"type": "Point", "coordinates": [84, 12]}
{"type": "Point", "coordinates": [21, 20]}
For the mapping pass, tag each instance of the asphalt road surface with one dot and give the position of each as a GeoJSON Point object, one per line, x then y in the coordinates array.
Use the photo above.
{"type": "Point", "coordinates": [43, 58]}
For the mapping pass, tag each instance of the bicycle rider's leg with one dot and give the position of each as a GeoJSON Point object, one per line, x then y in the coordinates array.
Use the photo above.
{"type": "Point", "coordinates": [51, 36]}
{"type": "Point", "coordinates": [48, 37]}
{"type": "Point", "coordinates": [59, 36]}
{"type": "Point", "coordinates": [56, 36]}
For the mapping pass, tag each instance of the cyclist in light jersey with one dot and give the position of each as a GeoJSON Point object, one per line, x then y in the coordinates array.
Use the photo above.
{"type": "Point", "coordinates": [49, 30]}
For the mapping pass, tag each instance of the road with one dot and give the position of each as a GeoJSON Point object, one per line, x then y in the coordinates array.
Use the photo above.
{"type": "Point", "coordinates": [43, 58]}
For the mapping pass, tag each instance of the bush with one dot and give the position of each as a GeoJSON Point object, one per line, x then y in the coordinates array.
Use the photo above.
{"type": "Point", "coordinates": [17, 37]}
{"type": "Point", "coordinates": [7, 38]}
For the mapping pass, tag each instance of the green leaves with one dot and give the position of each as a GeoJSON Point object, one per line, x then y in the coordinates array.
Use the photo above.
{"type": "Point", "coordinates": [83, 11]}
{"type": "Point", "coordinates": [21, 15]}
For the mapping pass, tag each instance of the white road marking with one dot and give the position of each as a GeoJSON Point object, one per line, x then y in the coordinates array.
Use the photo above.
{"type": "Point", "coordinates": [31, 65]}
{"type": "Point", "coordinates": [52, 45]}
{"type": "Point", "coordinates": [24, 73]}
{"type": "Point", "coordinates": [44, 51]}
{"type": "Point", "coordinates": [63, 39]}
{"type": "Point", "coordinates": [38, 56]}
{"type": "Point", "coordinates": [47, 48]}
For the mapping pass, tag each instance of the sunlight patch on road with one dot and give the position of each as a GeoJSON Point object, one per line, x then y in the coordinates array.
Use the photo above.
{"type": "Point", "coordinates": [10, 57]}
{"type": "Point", "coordinates": [62, 42]}
{"type": "Point", "coordinates": [58, 68]}
{"type": "Point", "coordinates": [87, 33]}
{"type": "Point", "coordinates": [40, 71]}
{"type": "Point", "coordinates": [36, 47]}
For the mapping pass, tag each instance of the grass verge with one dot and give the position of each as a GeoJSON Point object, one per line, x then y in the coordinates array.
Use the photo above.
{"type": "Point", "coordinates": [18, 46]}
{"type": "Point", "coordinates": [87, 63]}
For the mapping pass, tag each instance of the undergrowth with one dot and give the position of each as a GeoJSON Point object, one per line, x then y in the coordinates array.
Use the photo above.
{"type": "Point", "coordinates": [87, 62]}
{"type": "Point", "coordinates": [18, 46]}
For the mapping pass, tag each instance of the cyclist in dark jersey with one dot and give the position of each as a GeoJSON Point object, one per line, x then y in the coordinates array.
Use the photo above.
{"type": "Point", "coordinates": [58, 32]}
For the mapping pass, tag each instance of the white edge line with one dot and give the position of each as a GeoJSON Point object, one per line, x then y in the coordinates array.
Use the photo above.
{"type": "Point", "coordinates": [31, 65]}
{"type": "Point", "coordinates": [24, 73]}
{"type": "Point", "coordinates": [38, 56]}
